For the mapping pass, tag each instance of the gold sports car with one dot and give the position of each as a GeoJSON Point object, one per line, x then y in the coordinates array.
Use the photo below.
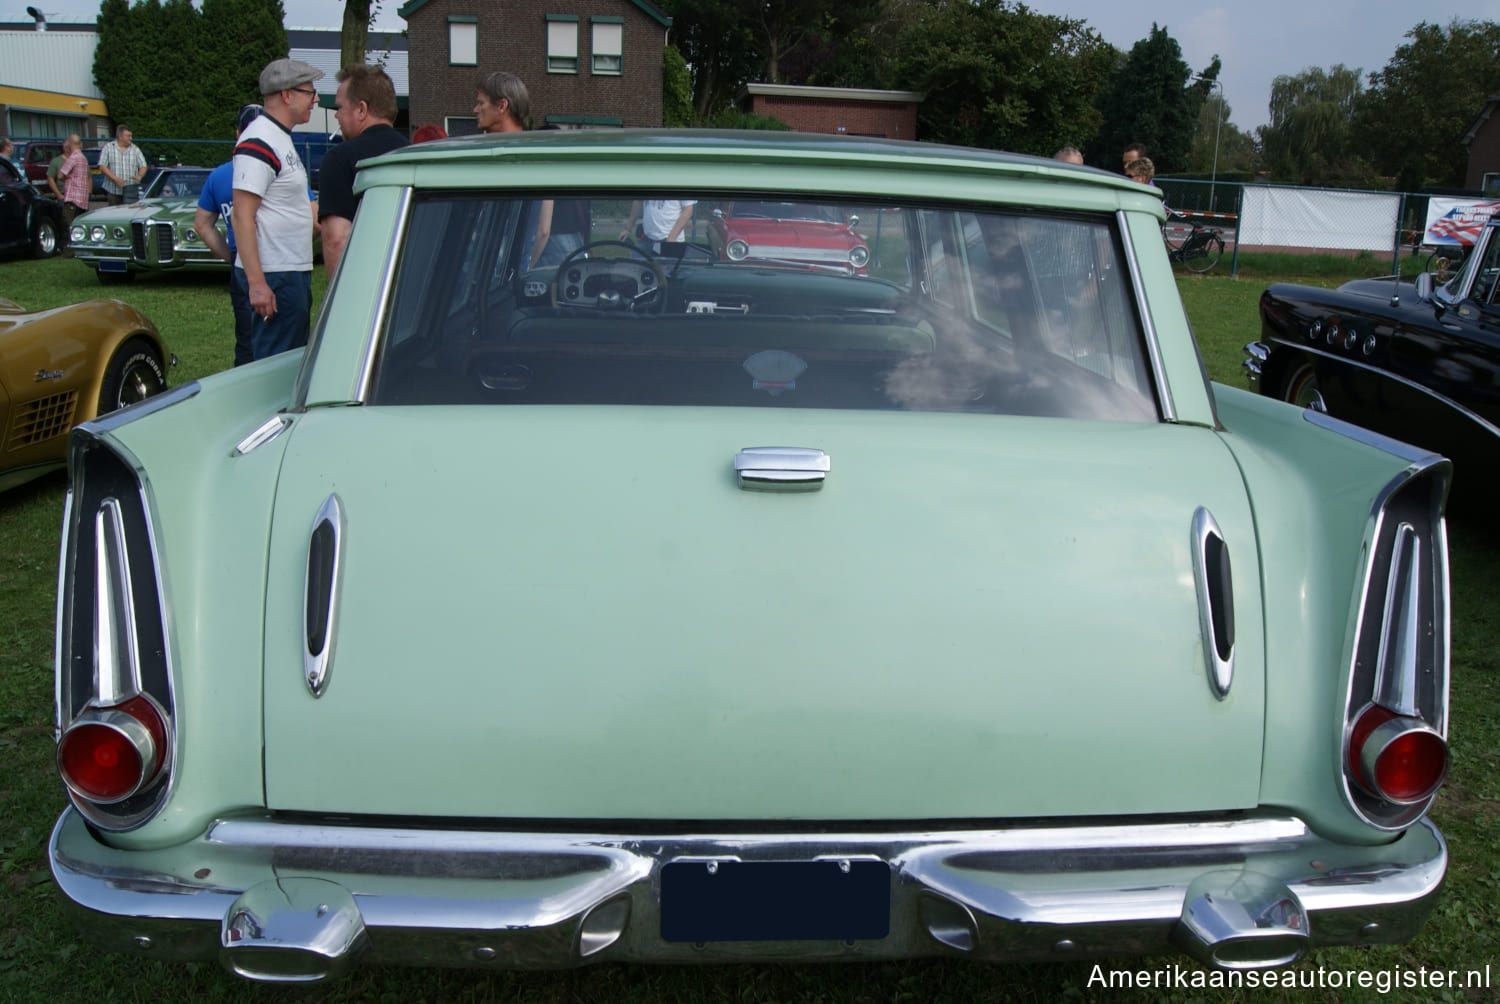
{"type": "Point", "coordinates": [67, 365]}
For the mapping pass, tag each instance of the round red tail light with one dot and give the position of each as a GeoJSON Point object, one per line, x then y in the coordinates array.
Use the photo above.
{"type": "Point", "coordinates": [1396, 757]}
{"type": "Point", "coordinates": [109, 754]}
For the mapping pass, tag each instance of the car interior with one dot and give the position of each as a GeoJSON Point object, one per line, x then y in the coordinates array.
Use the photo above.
{"type": "Point", "coordinates": [959, 309]}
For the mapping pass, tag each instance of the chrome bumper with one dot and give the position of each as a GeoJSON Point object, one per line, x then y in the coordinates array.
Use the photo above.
{"type": "Point", "coordinates": [288, 901]}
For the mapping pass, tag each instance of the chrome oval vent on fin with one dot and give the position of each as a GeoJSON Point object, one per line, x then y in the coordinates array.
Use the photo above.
{"type": "Point", "coordinates": [321, 594]}
{"type": "Point", "coordinates": [1212, 580]}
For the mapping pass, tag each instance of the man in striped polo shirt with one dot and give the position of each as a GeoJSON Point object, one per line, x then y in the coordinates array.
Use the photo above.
{"type": "Point", "coordinates": [273, 220]}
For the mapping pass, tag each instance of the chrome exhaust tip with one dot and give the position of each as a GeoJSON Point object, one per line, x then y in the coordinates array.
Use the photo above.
{"type": "Point", "coordinates": [293, 930]}
{"type": "Point", "coordinates": [1242, 920]}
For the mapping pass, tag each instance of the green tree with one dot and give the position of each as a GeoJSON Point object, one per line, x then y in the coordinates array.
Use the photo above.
{"type": "Point", "coordinates": [1002, 76]}
{"type": "Point", "coordinates": [1154, 98]}
{"type": "Point", "coordinates": [172, 71]}
{"type": "Point", "coordinates": [1218, 144]}
{"type": "Point", "coordinates": [1308, 140]}
{"type": "Point", "coordinates": [676, 90]}
{"type": "Point", "coordinates": [716, 41]}
{"type": "Point", "coordinates": [1416, 108]}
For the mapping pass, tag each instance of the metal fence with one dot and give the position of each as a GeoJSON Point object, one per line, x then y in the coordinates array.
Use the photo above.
{"type": "Point", "coordinates": [1316, 220]}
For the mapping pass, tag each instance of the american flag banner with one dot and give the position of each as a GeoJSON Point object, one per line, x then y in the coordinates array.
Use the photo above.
{"type": "Point", "coordinates": [1456, 222]}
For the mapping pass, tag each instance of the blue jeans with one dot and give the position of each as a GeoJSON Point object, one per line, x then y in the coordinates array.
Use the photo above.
{"type": "Point", "coordinates": [559, 246]}
{"type": "Point", "coordinates": [287, 328]}
{"type": "Point", "coordinates": [244, 317]}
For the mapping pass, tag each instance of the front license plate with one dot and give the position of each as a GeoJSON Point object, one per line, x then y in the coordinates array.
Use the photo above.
{"type": "Point", "coordinates": [113, 265]}
{"type": "Point", "coordinates": [704, 901]}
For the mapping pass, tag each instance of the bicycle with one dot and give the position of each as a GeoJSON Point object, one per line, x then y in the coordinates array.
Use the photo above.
{"type": "Point", "coordinates": [1199, 250]}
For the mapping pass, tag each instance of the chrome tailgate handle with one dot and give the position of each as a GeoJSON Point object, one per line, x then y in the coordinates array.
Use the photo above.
{"type": "Point", "coordinates": [781, 468]}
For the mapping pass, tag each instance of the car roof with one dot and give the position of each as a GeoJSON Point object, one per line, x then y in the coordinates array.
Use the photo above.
{"type": "Point", "coordinates": [742, 160]}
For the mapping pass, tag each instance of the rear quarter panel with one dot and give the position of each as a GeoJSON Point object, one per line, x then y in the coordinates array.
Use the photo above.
{"type": "Point", "coordinates": [1313, 493]}
{"type": "Point", "coordinates": [211, 512]}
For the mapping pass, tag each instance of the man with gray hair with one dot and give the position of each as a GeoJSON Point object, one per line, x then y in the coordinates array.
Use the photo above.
{"type": "Point", "coordinates": [273, 219]}
{"type": "Point", "coordinates": [501, 103]}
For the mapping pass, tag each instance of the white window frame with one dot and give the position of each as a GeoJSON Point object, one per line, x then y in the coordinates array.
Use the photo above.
{"type": "Point", "coordinates": [607, 46]}
{"type": "Point", "coordinates": [463, 41]}
{"type": "Point", "coordinates": [562, 43]}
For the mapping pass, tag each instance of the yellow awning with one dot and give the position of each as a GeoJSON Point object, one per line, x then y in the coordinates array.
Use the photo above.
{"type": "Point", "coordinates": [51, 101]}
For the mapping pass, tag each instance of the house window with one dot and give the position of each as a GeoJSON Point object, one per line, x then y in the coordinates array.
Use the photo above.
{"type": "Point", "coordinates": [463, 41]}
{"type": "Point", "coordinates": [607, 48]}
{"type": "Point", "coordinates": [461, 125]}
{"type": "Point", "coordinates": [562, 43]}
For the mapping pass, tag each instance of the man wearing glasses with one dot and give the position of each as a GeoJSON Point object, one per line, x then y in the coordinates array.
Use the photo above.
{"type": "Point", "coordinates": [273, 220]}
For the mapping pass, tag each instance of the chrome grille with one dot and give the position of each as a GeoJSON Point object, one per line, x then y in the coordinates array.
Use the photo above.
{"type": "Point", "coordinates": [151, 241]}
{"type": "Point", "coordinates": [41, 419]}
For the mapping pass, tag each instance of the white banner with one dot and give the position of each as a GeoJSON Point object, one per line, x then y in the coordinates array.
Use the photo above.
{"type": "Point", "coordinates": [1318, 218]}
{"type": "Point", "coordinates": [1456, 222]}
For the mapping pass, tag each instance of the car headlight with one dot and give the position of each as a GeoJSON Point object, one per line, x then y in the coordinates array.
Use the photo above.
{"type": "Point", "coordinates": [96, 234]}
{"type": "Point", "coordinates": [78, 235]}
{"type": "Point", "coordinates": [859, 255]}
{"type": "Point", "coordinates": [118, 233]}
{"type": "Point", "coordinates": [187, 235]}
{"type": "Point", "coordinates": [737, 250]}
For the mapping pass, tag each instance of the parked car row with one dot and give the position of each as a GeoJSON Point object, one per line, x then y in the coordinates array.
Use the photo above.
{"type": "Point", "coordinates": [1411, 359]}
{"type": "Point", "coordinates": [769, 604]}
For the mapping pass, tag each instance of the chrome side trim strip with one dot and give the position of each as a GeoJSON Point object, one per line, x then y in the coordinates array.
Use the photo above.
{"type": "Point", "coordinates": [1396, 665]}
{"type": "Point", "coordinates": [131, 412]}
{"type": "Point", "coordinates": [1444, 400]}
{"type": "Point", "coordinates": [117, 658]}
{"type": "Point", "coordinates": [364, 387]}
{"type": "Point", "coordinates": [1397, 448]}
{"type": "Point", "coordinates": [1153, 350]}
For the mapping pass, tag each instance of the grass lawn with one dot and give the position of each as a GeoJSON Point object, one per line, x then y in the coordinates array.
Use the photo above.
{"type": "Point", "coordinates": [43, 959]}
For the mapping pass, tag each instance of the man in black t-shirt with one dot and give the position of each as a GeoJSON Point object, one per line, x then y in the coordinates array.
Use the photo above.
{"type": "Point", "coordinates": [365, 108]}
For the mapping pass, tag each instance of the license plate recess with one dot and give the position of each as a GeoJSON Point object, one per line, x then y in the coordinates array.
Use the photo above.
{"type": "Point", "coordinates": [824, 900]}
{"type": "Point", "coordinates": [113, 265]}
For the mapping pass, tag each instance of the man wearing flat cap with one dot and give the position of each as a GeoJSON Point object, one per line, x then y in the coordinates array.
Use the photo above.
{"type": "Point", "coordinates": [273, 220]}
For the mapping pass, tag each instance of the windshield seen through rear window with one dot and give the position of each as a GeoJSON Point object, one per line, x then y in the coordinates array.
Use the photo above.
{"type": "Point", "coordinates": [765, 302]}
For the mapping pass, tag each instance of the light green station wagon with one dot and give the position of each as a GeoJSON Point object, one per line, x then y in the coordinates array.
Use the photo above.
{"type": "Point", "coordinates": [575, 599]}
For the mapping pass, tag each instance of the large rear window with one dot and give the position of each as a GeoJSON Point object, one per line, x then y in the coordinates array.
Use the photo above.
{"type": "Point", "coordinates": [771, 301]}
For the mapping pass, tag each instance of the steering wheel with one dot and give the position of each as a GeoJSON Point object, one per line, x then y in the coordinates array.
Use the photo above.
{"type": "Point", "coordinates": [608, 283]}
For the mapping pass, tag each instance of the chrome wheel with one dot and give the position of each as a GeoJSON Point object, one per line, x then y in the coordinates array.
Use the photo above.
{"type": "Point", "coordinates": [1301, 388]}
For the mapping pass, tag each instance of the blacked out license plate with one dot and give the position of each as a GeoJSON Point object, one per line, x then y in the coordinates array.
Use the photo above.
{"type": "Point", "coordinates": [113, 265]}
{"type": "Point", "coordinates": [828, 900]}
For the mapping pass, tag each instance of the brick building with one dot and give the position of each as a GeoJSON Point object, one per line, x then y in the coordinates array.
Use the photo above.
{"type": "Point", "coordinates": [849, 110]}
{"type": "Point", "coordinates": [1483, 140]}
{"type": "Point", "coordinates": [585, 62]}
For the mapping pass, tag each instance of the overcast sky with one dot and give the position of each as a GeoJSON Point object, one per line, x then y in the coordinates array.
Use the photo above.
{"type": "Point", "coordinates": [1256, 39]}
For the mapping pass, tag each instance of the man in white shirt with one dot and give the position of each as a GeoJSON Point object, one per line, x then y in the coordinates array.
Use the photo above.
{"type": "Point", "coordinates": [663, 221]}
{"type": "Point", "coordinates": [273, 220]}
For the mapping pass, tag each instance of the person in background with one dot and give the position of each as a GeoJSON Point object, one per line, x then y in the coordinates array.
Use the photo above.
{"type": "Point", "coordinates": [52, 169]}
{"type": "Point", "coordinates": [122, 164]}
{"type": "Point", "coordinates": [216, 203]}
{"type": "Point", "coordinates": [1135, 151]}
{"type": "Point", "coordinates": [8, 150]}
{"type": "Point", "coordinates": [427, 132]}
{"type": "Point", "coordinates": [1069, 155]}
{"type": "Point", "coordinates": [365, 108]}
{"type": "Point", "coordinates": [1141, 169]}
{"type": "Point", "coordinates": [663, 221]}
{"type": "Point", "coordinates": [501, 103]}
{"type": "Point", "coordinates": [273, 218]}
{"type": "Point", "coordinates": [73, 177]}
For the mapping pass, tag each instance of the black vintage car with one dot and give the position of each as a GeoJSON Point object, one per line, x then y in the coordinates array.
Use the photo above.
{"type": "Point", "coordinates": [1412, 360]}
{"type": "Point", "coordinates": [28, 221]}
